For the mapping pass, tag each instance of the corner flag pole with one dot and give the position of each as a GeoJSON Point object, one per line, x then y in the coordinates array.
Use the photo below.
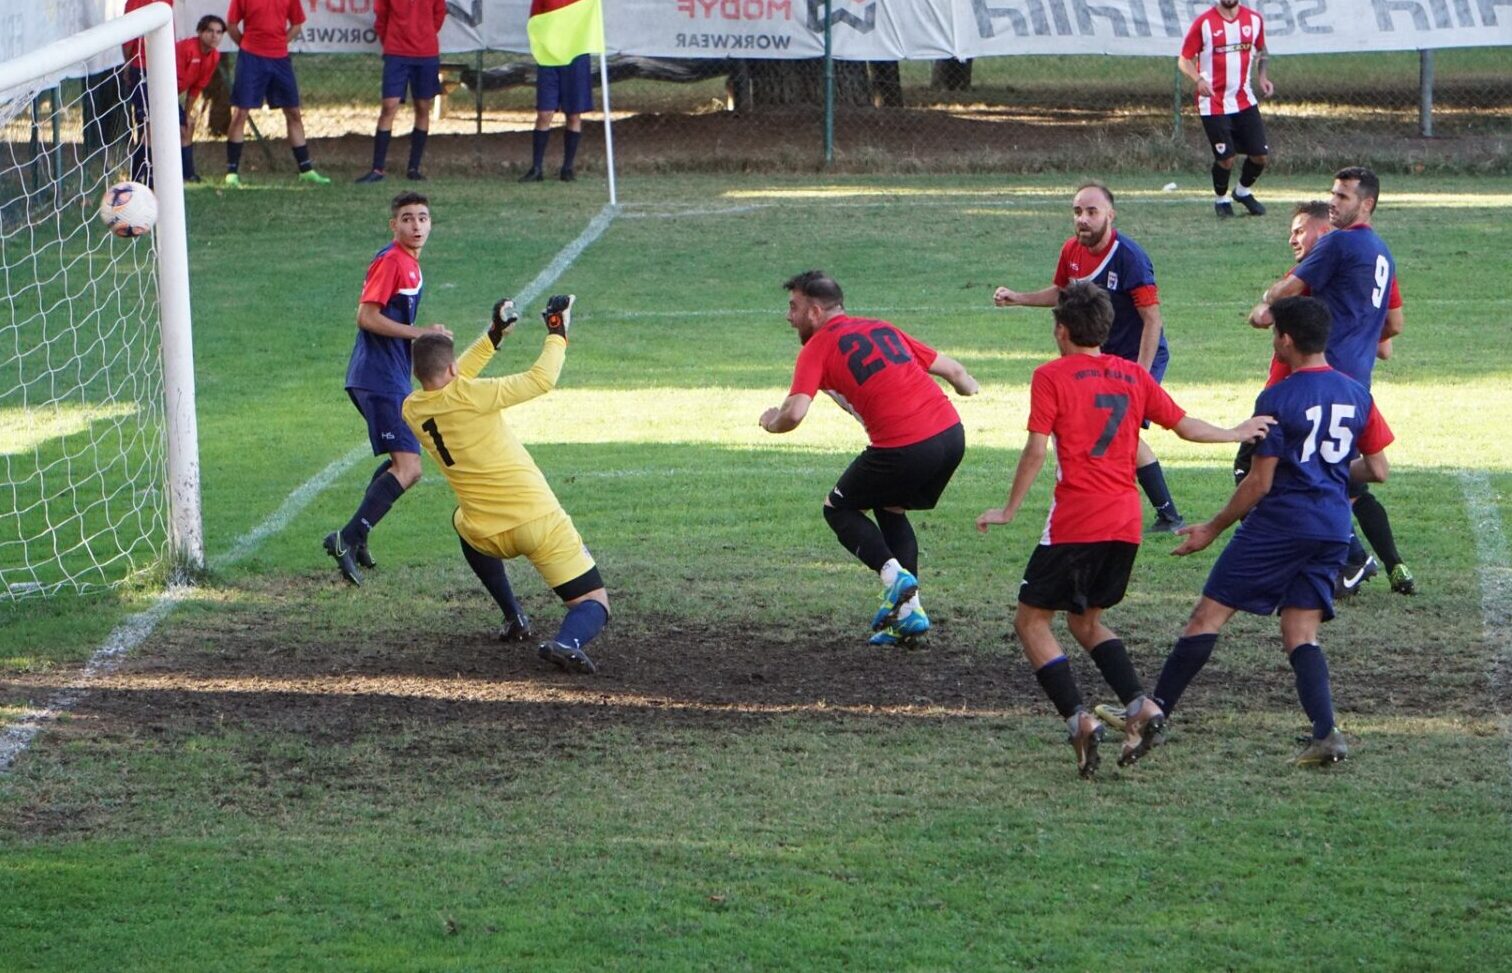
{"type": "Point", "coordinates": [608, 126]}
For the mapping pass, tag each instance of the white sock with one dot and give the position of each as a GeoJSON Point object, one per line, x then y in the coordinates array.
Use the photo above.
{"type": "Point", "coordinates": [1224, 199]}
{"type": "Point", "coordinates": [908, 607]}
{"type": "Point", "coordinates": [890, 571]}
{"type": "Point", "coordinates": [1241, 191]}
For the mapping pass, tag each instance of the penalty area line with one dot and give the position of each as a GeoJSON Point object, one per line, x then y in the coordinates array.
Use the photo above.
{"type": "Point", "coordinates": [1496, 584]}
{"type": "Point", "coordinates": [17, 736]}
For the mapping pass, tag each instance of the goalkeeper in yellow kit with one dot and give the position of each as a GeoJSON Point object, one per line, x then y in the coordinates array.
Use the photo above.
{"type": "Point", "coordinates": [506, 509]}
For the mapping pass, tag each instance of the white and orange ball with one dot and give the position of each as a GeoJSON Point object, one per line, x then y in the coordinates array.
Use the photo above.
{"type": "Point", "coordinates": [129, 209]}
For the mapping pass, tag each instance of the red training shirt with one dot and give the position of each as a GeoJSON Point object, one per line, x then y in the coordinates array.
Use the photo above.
{"type": "Point", "coordinates": [265, 24]}
{"type": "Point", "coordinates": [1279, 369]}
{"type": "Point", "coordinates": [1093, 406]}
{"type": "Point", "coordinates": [134, 50]}
{"type": "Point", "coordinates": [878, 373]}
{"type": "Point", "coordinates": [410, 28]}
{"type": "Point", "coordinates": [195, 67]}
{"type": "Point", "coordinates": [1223, 50]}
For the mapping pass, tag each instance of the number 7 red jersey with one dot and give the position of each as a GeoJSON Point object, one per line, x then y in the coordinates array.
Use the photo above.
{"type": "Point", "coordinates": [1092, 406]}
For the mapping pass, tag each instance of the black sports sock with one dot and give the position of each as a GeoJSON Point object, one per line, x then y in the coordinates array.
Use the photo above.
{"type": "Point", "coordinates": [417, 148]}
{"type": "Point", "coordinates": [1377, 527]}
{"type": "Point", "coordinates": [1249, 172]}
{"type": "Point", "coordinates": [1113, 662]}
{"type": "Point", "coordinates": [302, 157]}
{"type": "Point", "coordinates": [859, 535]}
{"type": "Point", "coordinates": [900, 538]}
{"type": "Point", "coordinates": [1059, 684]}
{"type": "Point", "coordinates": [1311, 667]}
{"type": "Point", "coordinates": [538, 141]}
{"type": "Point", "coordinates": [186, 157]}
{"type": "Point", "coordinates": [380, 496]}
{"type": "Point", "coordinates": [1188, 656]}
{"type": "Point", "coordinates": [570, 147]}
{"type": "Point", "coordinates": [380, 148]}
{"type": "Point", "coordinates": [383, 468]}
{"type": "Point", "coordinates": [233, 156]}
{"type": "Point", "coordinates": [1152, 481]}
{"type": "Point", "coordinates": [490, 571]}
{"type": "Point", "coordinates": [1220, 180]}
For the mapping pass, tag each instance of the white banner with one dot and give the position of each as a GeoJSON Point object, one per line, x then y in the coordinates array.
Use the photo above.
{"type": "Point", "coordinates": [918, 29]}
{"type": "Point", "coordinates": [26, 25]}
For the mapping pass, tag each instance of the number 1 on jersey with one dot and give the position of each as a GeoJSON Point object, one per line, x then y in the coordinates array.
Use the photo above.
{"type": "Point", "coordinates": [429, 426]}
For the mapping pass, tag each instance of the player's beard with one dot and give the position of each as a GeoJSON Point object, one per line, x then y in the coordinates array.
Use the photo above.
{"type": "Point", "coordinates": [1087, 239]}
{"type": "Point", "coordinates": [1228, 4]}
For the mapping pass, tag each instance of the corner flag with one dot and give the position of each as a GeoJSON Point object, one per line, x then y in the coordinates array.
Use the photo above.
{"type": "Point", "coordinates": [560, 30]}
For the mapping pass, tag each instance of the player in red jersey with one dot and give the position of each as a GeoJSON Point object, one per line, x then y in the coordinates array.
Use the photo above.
{"type": "Point", "coordinates": [198, 57]}
{"type": "Point", "coordinates": [262, 29]}
{"type": "Point", "coordinates": [1092, 404]}
{"type": "Point", "coordinates": [410, 31]}
{"type": "Point", "coordinates": [882, 376]}
{"type": "Point", "coordinates": [1219, 49]}
{"type": "Point", "coordinates": [135, 84]}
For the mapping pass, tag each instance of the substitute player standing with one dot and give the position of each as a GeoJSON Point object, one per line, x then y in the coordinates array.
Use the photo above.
{"type": "Point", "coordinates": [410, 33]}
{"type": "Point", "coordinates": [262, 30]}
{"type": "Point", "coordinates": [1100, 254]}
{"type": "Point", "coordinates": [1092, 404]}
{"type": "Point", "coordinates": [1220, 47]}
{"type": "Point", "coordinates": [506, 509]}
{"type": "Point", "coordinates": [378, 376]}
{"type": "Point", "coordinates": [1295, 508]}
{"type": "Point", "coordinates": [198, 57]}
{"type": "Point", "coordinates": [881, 375]}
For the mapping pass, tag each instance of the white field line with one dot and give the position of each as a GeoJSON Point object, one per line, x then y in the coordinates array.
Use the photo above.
{"type": "Point", "coordinates": [777, 309]}
{"type": "Point", "coordinates": [15, 738]}
{"type": "Point", "coordinates": [1496, 584]}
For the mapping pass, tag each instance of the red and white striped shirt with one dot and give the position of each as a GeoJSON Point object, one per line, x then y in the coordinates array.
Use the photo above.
{"type": "Point", "coordinates": [1223, 50]}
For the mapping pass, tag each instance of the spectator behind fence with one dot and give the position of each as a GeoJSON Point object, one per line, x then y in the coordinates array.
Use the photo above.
{"type": "Point", "coordinates": [410, 31]}
{"type": "Point", "coordinates": [568, 89]}
{"type": "Point", "coordinates": [262, 30]}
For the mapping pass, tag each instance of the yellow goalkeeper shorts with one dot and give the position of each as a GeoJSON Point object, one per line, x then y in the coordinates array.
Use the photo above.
{"type": "Point", "coordinates": [550, 543]}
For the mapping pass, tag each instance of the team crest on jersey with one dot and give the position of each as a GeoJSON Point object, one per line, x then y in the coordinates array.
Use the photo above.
{"type": "Point", "coordinates": [1222, 147]}
{"type": "Point", "coordinates": [1112, 280]}
{"type": "Point", "coordinates": [1245, 30]}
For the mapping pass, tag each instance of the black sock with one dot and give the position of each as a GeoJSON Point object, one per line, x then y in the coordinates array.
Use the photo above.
{"type": "Point", "coordinates": [380, 149]}
{"type": "Point", "coordinates": [1059, 684]}
{"type": "Point", "coordinates": [383, 468]}
{"type": "Point", "coordinates": [380, 496]}
{"type": "Point", "coordinates": [899, 536]}
{"type": "Point", "coordinates": [302, 157]}
{"type": "Point", "coordinates": [1249, 172]}
{"type": "Point", "coordinates": [490, 571]}
{"type": "Point", "coordinates": [233, 156]}
{"type": "Point", "coordinates": [186, 153]}
{"type": "Point", "coordinates": [1311, 667]}
{"type": "Point", "coordinates": [569, 147]}
{"type": "Point", "coordinates": [859, 535]}
{"type": "Point", "coordinates": [1243, 460]}
{"type": "Point", "coordinates": [538, 141]}
{"type": "Point", "coordinates": [1377, 527]}
{"type": "Point", "coordinates": [417, 148]}
{"type": "Point", "coordinates": [1220, 180]}
{"type": "Point", "coordinates": [1152, 481]}
{"type": "Point", "coordinates": [1113, 662]}
{"type": "Point", "coordinates": [1188, 656]}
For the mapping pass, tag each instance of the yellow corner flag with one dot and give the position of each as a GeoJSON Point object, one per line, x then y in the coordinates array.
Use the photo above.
{"type": "Point", "coordinates": [560, 30]}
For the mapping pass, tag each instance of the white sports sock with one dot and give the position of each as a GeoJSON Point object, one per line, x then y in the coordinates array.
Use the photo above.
{"type": "Point", "coordinates": [908, 607]}
{"type": "Point", "coordinates": [890, 571]}
{"type": "Point", "coordinates": [1241, 191]}
{"type": "Point", "coordinates": [1224, 199]}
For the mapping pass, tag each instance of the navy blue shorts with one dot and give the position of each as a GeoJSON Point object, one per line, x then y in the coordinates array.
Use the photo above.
{"type": "Point", "coordinates": [567, 89]}
{"type": "Point", "coordinates": [1261, 573]}
{"type": "Point", "coordinates": [264, 78]}
{"type": "Point", "coordinates": [421, 75]}
{"type": "Point", "coordinates": [387, 430]}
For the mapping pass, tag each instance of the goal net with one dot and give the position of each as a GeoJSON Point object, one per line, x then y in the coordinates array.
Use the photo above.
{"type": "Point", "coordinates": [98, 484]}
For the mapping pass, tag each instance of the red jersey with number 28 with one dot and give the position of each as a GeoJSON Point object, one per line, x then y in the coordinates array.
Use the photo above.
{"type": "Point", "coordinates": [878, 373]}
{"type": "Point", "coordinates": [1093, 405]}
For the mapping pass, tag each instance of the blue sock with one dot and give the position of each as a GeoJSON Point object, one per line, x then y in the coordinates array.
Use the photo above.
{"type": "Point", "coordinates": [538, 140]}
{"type": "Point", "coordinates": [380, 496]}
{"type": "Point", "coordinates": [383, 468]}
{"type": "Point", "coordinates": [1152, 481]}
{"type": "Point", "coordinates": [583, 622]}
{"type": "Point", "coordinates": [570, 142]}
{"type": "Point", "coordinates": [1059, 684]}
{"type": "Point", "coordinates": [490, 571]}
{"type": "Point", "coordinates": [233, 156]}
{"type": "Point", "coordinates": [417, 148]}
{"type": "Point", "coordinates": [187, 154]}
{"type": "Point", "coordinates": [1188, 656]}
{"type": "Point", "coordinates": [1311, 667]}
{"type": "Point", "coordinates": [1357, 553]}
{"type": "Point", "coordinates": [302, 157]}
{"type": "Point", "coordinates": [380, 149]}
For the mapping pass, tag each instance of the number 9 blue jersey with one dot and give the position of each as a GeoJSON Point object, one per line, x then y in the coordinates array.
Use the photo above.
{"type": "Point", "coordinates": [1351, 271]}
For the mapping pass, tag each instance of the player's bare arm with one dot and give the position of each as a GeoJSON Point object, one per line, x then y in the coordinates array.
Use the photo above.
{"type": "Point", "coordinates": [1046, 297]}
{"type": "Point", "coordinates": [1369, 469]}
{"type": "Point", "coordinates": [1195, 430]}
{"type": "Point", "coordinates": [1249, 492]}
{"type": "Point", "coordinates": [370, 317]}
{"type": "Point", "coordinates": [1188, 67]}
{"type": "Point", "coordinates": [1394, 324]}
{"type": "Point", "coordinates": [1288, 286]}
{"type": "Point", "coordinates": [293, 32]}
{"type": "Point", "coordinates": [1260, 316]}
{"type": "Point", "coordinates": [1031, 461]}
{"type": "Point", "coordinates": [1149, 338]}
{"type": "Point", "coordinates": [234, 32]}
{"type": "Point", "coordinates": [785, 418]}
{"type": "Point", "coordinates": [1266, 88]}
{"type": "Point", "coordinates": [955, 373]}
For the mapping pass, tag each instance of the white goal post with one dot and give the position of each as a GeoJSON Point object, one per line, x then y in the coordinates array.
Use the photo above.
{"type": "Point", "coordinates": [52, 241]}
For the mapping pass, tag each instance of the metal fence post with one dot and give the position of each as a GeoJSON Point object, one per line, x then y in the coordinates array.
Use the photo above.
{"type": "Point", "coordinates": [1425, 94]}
{"type": "Point", "coordinates": [478, 92]}
{"type": "Point", "coordinates": [829, 91]}
{"type": "Point", "coordinates": [1176, 104]}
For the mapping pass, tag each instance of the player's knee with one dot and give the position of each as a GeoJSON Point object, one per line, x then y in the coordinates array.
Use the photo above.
{"type": "Point", "coordinates": [1259, 160]}
{"type": "Point", "coordinates": [1227, 162]}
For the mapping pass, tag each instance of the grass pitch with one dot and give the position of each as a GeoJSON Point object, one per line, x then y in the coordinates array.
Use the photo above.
{"type": "Point", "coordinates": [290, 774]}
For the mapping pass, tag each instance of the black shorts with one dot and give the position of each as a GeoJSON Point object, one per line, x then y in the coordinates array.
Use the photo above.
{"type": "Point", "coordinates": [911, 477]}
{"type": "Point", "coordinates": [1076, 577]}
{"type": "Point", "coordinates": [1241, 133]}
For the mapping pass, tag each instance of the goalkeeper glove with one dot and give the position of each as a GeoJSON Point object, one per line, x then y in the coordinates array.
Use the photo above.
{"type": "Point", "coordinates": [558, 313]}
{"type": "Point", "coordinates": [504, 318]}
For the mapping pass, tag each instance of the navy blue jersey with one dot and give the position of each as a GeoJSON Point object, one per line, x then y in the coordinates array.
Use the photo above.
{"type": "Point", "coordinates": [1351, 271]}
{"type": "Point", "coordinates": [379, 363]}
{"type": "Point", "coordinates": [1123, 270]}
{"type": "Point", "coordinates": [1324, 419]}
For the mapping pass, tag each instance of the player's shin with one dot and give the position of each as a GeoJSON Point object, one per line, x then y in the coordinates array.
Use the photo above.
{"type": "Point", "coordinates": [898, 534]}
{"type": "Point", "coordinates": [583, 622]}
{"type": "Point", "coordinates": [859, 535]}
{"type": "Point", "coordinates": [1112, 660]}
{"type": "Point", "coordinates": [376, 502]}
{"type": "Point", "coordinates": [1188, 656]}
{"type": "Point", "coordinates": [490, 571]}
{"type": "Point", "coordinates": [1311, 668]}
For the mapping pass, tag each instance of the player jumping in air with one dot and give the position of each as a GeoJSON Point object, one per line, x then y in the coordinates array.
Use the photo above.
{"type": "Point", "coordinates": [882, 376]}
{"type": "Point", "coordinates": [378, 376]}
{"type": "Point", "coordinates": [1295, 535]}
{"type": "Point", "coordinates": [1100, 254]}
{"type": "Point", "coordinates": [505, 507]}
{"type": "Point", "coordinates": [1219, 49]}
{"type": "Point", "coordinates": [1092, 404]}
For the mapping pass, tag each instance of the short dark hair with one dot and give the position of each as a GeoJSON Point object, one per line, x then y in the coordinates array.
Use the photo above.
{"type": "Point", "coordinates": [1100, 187]}
{"type": "Point", "coordinates": [431, 353]}
{"type": "Point", "coordinates": [206, 21]}
{"type": "Point", "coordinates": [1370, 183]}
{"type": "Point", "coordinates": [1313, 209]}
{"type": "Point", "coordinates": [410, 198]}
{"type": "Point", "coordinates": [1086, 312]}
{"type": "Point", "coordinates": [818, 287]}
{"type": "Point", "coordinates": [1306, 320]}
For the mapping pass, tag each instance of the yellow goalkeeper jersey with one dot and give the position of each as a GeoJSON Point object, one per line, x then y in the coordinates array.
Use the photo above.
{"type": "Point", "coordinates": [462, 427]}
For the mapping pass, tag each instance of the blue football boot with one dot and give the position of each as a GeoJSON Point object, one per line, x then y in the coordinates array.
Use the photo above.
{"type": "Point", "coordinates": [904, 587]}
{"type": "Point", "coordinates": [904, 631]}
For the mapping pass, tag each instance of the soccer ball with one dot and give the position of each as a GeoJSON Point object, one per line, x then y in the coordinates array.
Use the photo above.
{"type": "Point", "coordinates": [129, 209]}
